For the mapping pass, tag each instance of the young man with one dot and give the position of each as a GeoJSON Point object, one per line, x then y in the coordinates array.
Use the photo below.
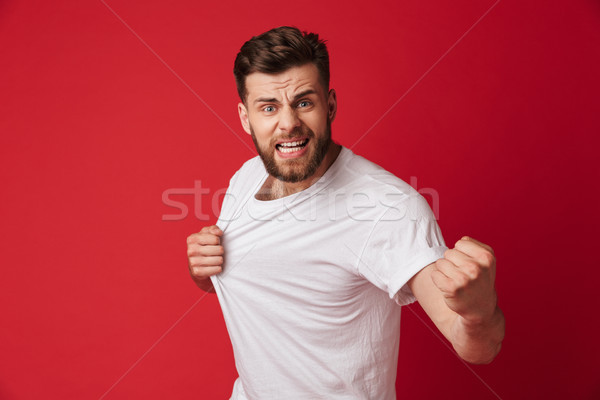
{"type": "Point", "coordinates": [317, 248]}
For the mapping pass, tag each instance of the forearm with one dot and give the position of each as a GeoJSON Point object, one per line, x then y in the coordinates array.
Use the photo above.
{"type": "Point", "coordinates": [478, 342]}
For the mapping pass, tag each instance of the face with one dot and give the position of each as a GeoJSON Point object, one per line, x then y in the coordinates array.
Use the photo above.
{"type": "Point", "coordinates": [289, 117]}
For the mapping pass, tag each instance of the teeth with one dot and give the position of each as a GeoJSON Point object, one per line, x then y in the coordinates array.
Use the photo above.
{"type": "Point", "coordinates": [288, 150]}
{"type": "Point", "coordinates": [292, 144]}
{"type": "Point", "coordinates": [290, 147]}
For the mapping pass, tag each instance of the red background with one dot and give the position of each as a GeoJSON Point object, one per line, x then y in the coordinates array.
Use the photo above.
{"type": "Point", "coordinates": [105, 106]}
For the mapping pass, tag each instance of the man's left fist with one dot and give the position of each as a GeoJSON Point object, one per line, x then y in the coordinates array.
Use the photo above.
{"type": "Point", "coordinates": [466, 276]}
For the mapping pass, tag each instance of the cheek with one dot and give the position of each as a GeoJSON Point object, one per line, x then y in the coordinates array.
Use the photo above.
{"type": "Point", "coordinates": [263, 131]}
{"type": "Point", "coordinates": [316, 123]}
{"type": "Point", "coordinates": [263, 127]}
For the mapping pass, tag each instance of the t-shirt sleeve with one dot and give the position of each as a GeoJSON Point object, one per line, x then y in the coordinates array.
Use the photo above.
{"type": "Point", "coordinates": [403, 241]}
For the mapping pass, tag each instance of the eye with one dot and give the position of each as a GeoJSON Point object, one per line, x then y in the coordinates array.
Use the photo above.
{"type": "Point", "coordinates": [304, 104]}
{"type": "Point", "coordinates": [269, 109]}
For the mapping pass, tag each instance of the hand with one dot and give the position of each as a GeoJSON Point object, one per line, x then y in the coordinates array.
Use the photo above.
{"type": "Point", "coordinates": [205, 255]}
{"type": "Point", "coordinates": [466, 277]}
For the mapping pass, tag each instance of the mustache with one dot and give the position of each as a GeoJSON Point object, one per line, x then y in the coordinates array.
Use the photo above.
{"type": "Point", "coordinates": [298, 132]}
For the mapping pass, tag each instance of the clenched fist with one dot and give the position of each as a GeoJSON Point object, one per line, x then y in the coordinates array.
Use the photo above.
{"type": "Point", "coordinates": [205, 255]}
{"type": "Point", "coordinates": [466, 278]}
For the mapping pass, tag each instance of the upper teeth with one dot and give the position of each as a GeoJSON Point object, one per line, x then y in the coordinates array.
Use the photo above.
{"type": "Point", "coordinates": [292, 144]}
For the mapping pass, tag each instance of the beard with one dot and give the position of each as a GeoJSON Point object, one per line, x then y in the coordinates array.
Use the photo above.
{"type": "Point", "coordinates": [295, 170]}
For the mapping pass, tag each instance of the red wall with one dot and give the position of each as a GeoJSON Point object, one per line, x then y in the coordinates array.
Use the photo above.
{"type": "Point", "coordinates": [105, 107]}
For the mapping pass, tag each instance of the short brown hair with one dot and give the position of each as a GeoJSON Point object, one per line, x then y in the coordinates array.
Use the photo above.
{"type": "Point", "coordinates": [278, 50]}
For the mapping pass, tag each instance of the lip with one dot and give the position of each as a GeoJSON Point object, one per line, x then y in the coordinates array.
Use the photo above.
{"type": "Point", "coordinates": [294, 154]}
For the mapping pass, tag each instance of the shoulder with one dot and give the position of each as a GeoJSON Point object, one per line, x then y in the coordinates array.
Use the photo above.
{"type": "Point", "coordinates": [250, 170]}
{"type": "Point", "coordinates": [374, 180]}
{"type": "Point", "coordinates": [364, 191]}
{"type": "Point", "coordinates": [251, 166]}
{"type": "Point", "coordinates": [241, 185]}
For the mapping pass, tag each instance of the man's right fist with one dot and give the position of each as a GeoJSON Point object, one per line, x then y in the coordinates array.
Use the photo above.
{"type": "Point", "coordinates": [205, 255]}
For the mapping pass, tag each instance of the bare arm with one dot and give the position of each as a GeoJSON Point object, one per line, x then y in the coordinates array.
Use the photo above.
{"type": "Point", "coordinates": [457, 292]}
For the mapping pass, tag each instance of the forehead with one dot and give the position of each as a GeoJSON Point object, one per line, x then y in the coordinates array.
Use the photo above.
{"type": "Point", "coordinates": [283, 84]}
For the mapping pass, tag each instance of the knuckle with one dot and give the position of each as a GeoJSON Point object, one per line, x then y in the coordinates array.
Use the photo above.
{"type": "Point", "coordinates": [207, 239]}
{"type": "Point", "coordinates": [190, 239]}
{"type": "Point", "coordinates": [207, 229]}
{"type": "Point", "coordinates": [462, 282]}
{"type": "Point", "coordinates": [453, 290]}
{"type": "Point", "coordinates": [474, 273]}
{"type": "Point", "coordinates": [471, 268]}
{"type": "Point", "coordinates": [487, 257]}
{"type": "Point", "coordinates": [447, 253]}
{"type": "Point", "coordinates": [202, 272]}
{"type": "Point", "coordinates": [198, 272]}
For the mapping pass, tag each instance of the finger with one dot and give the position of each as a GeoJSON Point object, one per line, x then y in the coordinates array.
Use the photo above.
{"type": "Point", "coordinates": [214, 229]}
{"type": "Point", "coordinates": [456, 256]}
{"type": "Point", "coordinates": [469, 239]}
{"type": "Point", "coordinates": [210, 251]}
{"type": "Point", "coordinates": [202, 261]}
{"type": "Point", "coordinates": [202, 238]}
{"type": "Point", "coordinates": [441, 281]}
{"type": "Point", "coordinates": [468, 266]}
{"type": "Point", "coordinates": [204, 250]}
{"type": "Point", "coordinates": [205, 272]}
{"type": "Point", "coordinates": [476, 250]}
{"type": "Point", "coordinates": [449, 269]}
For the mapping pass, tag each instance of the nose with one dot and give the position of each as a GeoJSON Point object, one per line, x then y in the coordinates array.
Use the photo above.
{"type": "Point", "coordinates": [288, 120]}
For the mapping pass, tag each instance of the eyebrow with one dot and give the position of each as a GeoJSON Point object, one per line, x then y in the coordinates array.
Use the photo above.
{"type": "Point", "coordinates": [274, 100]}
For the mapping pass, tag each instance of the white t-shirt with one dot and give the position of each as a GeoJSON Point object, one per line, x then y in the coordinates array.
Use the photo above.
{"type": "Point", "coordinates": [307, 280]}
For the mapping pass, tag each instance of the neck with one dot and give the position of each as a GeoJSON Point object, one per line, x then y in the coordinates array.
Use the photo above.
{"type": "Point", "coordinates": [275, 189]}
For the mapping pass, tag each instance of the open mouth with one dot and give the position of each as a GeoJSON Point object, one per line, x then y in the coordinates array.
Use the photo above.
{"type": "Point", "coordinates": [291, 147]}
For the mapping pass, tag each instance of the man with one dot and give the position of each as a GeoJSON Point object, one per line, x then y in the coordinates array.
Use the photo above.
{"type": "Point", "coordinates": [316, 247]}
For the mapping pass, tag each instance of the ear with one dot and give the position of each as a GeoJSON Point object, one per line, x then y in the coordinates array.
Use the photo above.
{"type": "Point", "coordinates": [332, 104]}
{"type": "Point", "coordinates": [243, 113]}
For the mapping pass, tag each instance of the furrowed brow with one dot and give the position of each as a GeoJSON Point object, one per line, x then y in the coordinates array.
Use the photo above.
{"type": "Point", "coordinates": [302, 94]}
{"type": "Point", "coordinates": [266, 100]}
{"type": "Point", "coordinates": [276, 101]}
